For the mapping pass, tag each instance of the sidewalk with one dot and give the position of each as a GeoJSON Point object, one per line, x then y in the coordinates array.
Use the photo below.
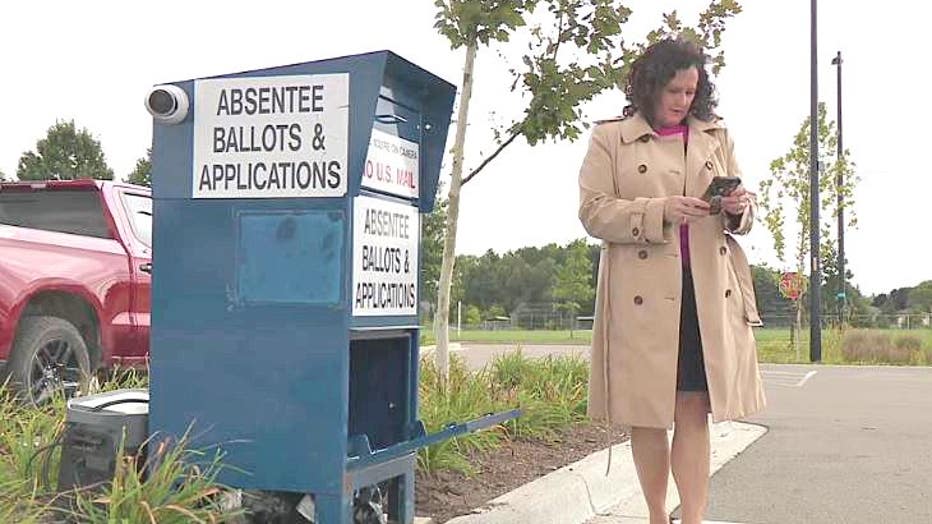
{"type": "Point", "coordinates": [581, 492]}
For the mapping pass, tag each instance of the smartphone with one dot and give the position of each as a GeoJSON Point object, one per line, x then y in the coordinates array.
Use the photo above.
{"type": "Point", "coordinates": [719, 187]}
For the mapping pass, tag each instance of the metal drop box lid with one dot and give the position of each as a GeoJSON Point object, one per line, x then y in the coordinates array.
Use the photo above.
{"type": "Point", "coordinates": [113, 410]}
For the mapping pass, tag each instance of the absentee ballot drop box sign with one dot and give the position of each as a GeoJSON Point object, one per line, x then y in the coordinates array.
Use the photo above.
{"type": "Point", "coordinates": [386, 245]}
{"type": "Point", "coordinates": [287, 218]}
{"type": "Point", "coordinates": [271, 137]}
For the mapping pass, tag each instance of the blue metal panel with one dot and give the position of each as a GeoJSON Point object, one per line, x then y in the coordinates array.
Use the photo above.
{"type": "Point", "coordinates": [291, 257]}
{"type": "Point", "coordinates": [366, 454]}
{"type": "Point", "coordinates": [267, 382]}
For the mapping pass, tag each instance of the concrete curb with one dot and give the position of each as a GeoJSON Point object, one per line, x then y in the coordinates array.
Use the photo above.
{"type": "Point", "coordinates": [453, 347]}
{"type": "Point", "coordinates": [582, 491]}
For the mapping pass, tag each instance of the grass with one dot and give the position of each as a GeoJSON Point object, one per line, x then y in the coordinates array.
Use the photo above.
{"type": "Point", "coordinates": [180, 487]}
{"type": "Point", "coordinates": [551, 393]}
{"type": "Point", "coordinates": [513, 336]}
{"type": "Point", "coordinates": [773, 344]}
{"type": "Point", "coordinates": [852, 346]}
{"type": "Point", "coordinates": [177, 484]}
{"type": "Point", "coordinates": [28, 460]}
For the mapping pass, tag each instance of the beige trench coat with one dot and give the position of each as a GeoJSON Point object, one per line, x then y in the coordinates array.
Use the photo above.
{"type": "Point", "coordinates": [626, 175]}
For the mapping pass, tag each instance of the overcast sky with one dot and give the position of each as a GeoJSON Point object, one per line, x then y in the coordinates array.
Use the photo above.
{"type": "Point", "coordinates": [94, 61]}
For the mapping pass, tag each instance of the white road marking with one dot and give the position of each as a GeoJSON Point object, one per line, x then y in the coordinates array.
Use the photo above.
{"type": "Point", "coordinates": [806, 378]}
{"type": "Point", "coordinates": [790, 379]}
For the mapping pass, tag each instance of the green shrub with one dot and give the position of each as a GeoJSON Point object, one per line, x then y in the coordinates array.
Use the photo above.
{"type": "Point", "coordinates": [24, 431]}
{"type": "Point", "coordinates": [878, 347]}
{"type": "Point", "coordinates": [551, 392]}
{"type": "Point", "coordinates": [908, 342]}
{"type": "Point", "coordinates": [179, 487]}
{"type": "Point", "coordinates": [860, 345]}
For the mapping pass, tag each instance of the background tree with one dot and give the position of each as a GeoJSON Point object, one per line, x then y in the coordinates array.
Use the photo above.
{"type": "Point", "coordinates": [897, 300]}
{"type": "Point", "coordinates": [432, 233]}
{"type": "Point", "coordinates": [920, 297]}
{"type": "Point", "coordinates": [65, 154]}
{"type": "Point", "coordinates": [574, 280]}
{"type": "Point", "coordinates": [466, 23]}
{"type": "Point", "coordinates": [786, 195]}
{"type": "Point", "coordinates": [142, 173]}
{"type": "Point", "coordinates": [2, 177]}
{"type": "Point", "coordinates": [770, 302]}
{"type": "Point", "coordinates": [576, 53]}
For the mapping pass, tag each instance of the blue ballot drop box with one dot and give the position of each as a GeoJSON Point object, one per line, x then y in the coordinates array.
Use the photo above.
{"type": "Point", "coordinates": [285, 287]}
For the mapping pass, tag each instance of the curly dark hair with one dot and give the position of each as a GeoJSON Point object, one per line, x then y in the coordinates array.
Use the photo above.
{"type": "Point", "coordinates": [656, 67]}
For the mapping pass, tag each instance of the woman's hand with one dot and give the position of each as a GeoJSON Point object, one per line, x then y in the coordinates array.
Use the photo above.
{"type": "Point", "coordinates": [736, 201]}
{"type": "Point", "coordinates": [684, 209]}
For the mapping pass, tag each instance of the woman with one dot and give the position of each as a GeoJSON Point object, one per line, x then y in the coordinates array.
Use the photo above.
{"type": "Point", "coordinates": [672, 338]}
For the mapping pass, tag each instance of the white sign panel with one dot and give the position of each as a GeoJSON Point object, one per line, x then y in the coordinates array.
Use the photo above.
{"type": "Point", "coordinates": [386, 236]}
{"type": "Point", "coordinates": [392, 165]}
{"type": "Point", "coordinates": [271, 137]}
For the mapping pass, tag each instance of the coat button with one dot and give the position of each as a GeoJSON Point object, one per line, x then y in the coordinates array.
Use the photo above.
{"type": "Point", "coordinates": [642, 168]}
{"type": "Point", "coordinates": [722, 250]}
{"type": "Point", "coordinates": [727, 293]}
{"type": "Point", "coordinates": [635, 232]}
{"type": "Point", "coordinates": [708, 165]}
{"type": "Point", "coordinates": [642, 254]}
{"type": "Point", "coordinates": [638, 300]}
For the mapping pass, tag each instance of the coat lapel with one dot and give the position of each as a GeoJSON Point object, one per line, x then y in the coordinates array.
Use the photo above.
{"type": "Point", "coordinates": [702, 147]}
{"type": "Point", "coordinates": [635, 127]}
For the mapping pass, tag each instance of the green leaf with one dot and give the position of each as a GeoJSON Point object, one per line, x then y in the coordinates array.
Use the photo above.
{"type": "Point", "coordinates": [65, 154]}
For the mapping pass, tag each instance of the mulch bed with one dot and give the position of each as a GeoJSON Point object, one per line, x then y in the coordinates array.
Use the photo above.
{"type": "Point", "coordinates": [446, 494]}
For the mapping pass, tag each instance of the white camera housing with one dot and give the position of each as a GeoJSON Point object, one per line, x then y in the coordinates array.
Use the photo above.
{"type": "Point", "coordinates": [168, 104]}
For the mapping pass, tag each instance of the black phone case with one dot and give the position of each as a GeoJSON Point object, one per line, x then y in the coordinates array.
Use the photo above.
{"type": "Point", "coordinates": [719, 187]}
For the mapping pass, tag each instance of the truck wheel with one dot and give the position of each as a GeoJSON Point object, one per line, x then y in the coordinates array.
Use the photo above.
{"type": "Point", "coordinates": [49, 357]}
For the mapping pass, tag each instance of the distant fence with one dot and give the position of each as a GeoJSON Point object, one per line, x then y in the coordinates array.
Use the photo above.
{"type": "Point", "coordinates": [531, 321]}
{"type": "Point", "coordinates": [904, 321]}
{"type": "Point", "coordinates": [564, 321]}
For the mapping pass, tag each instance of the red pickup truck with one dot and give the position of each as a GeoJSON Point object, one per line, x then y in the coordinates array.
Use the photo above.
{"type": "Point", "coordinates": [75, 264]}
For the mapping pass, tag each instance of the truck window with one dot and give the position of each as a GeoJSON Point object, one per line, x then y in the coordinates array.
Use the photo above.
{"type": "Point", "coordinates": [139, 208]}
{"type": "Point", "coordinates": [75, 212]}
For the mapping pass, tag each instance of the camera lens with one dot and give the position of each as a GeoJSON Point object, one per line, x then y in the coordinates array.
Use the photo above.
{"type": "Point", "coordinates": [162, 102]}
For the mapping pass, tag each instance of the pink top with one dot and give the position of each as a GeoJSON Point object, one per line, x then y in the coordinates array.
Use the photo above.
{"type": "Point", "coordinates": [683, 131]}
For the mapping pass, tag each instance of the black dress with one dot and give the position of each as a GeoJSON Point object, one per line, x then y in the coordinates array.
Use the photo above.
{"type": "Point", "coordinates": [690, 373]}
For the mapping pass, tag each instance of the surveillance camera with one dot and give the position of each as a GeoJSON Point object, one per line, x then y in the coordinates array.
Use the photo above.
{"type": "Point", "coordinates": [168, 104]}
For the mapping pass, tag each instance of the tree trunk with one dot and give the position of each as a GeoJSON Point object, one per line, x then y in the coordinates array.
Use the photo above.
{"type": "Point", "coordinates": [442, 319]}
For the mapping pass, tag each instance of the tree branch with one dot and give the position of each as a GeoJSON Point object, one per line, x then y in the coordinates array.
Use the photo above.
{"type": "Point", "coordinates": [514, 134]}
{"type": "Point", "coordinates": [491, 157]}
{"type": "Point", "coordinates": [556, 48]}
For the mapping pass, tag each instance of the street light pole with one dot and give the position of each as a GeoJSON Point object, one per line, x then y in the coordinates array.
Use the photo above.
{"type": "Point", "coordinates": [839, 183]}
{"type": "Point", "coordinates": [815, 274]}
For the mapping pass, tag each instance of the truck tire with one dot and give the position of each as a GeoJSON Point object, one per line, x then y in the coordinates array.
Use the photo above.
{"type": "Point", "coordinates": [49, 357]}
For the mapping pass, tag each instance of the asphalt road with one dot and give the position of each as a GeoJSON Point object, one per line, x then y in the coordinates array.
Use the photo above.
{"type": "Point", "coordinates": [478, 355]}
{"type": "Point", "coordinates": [846, 444]}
